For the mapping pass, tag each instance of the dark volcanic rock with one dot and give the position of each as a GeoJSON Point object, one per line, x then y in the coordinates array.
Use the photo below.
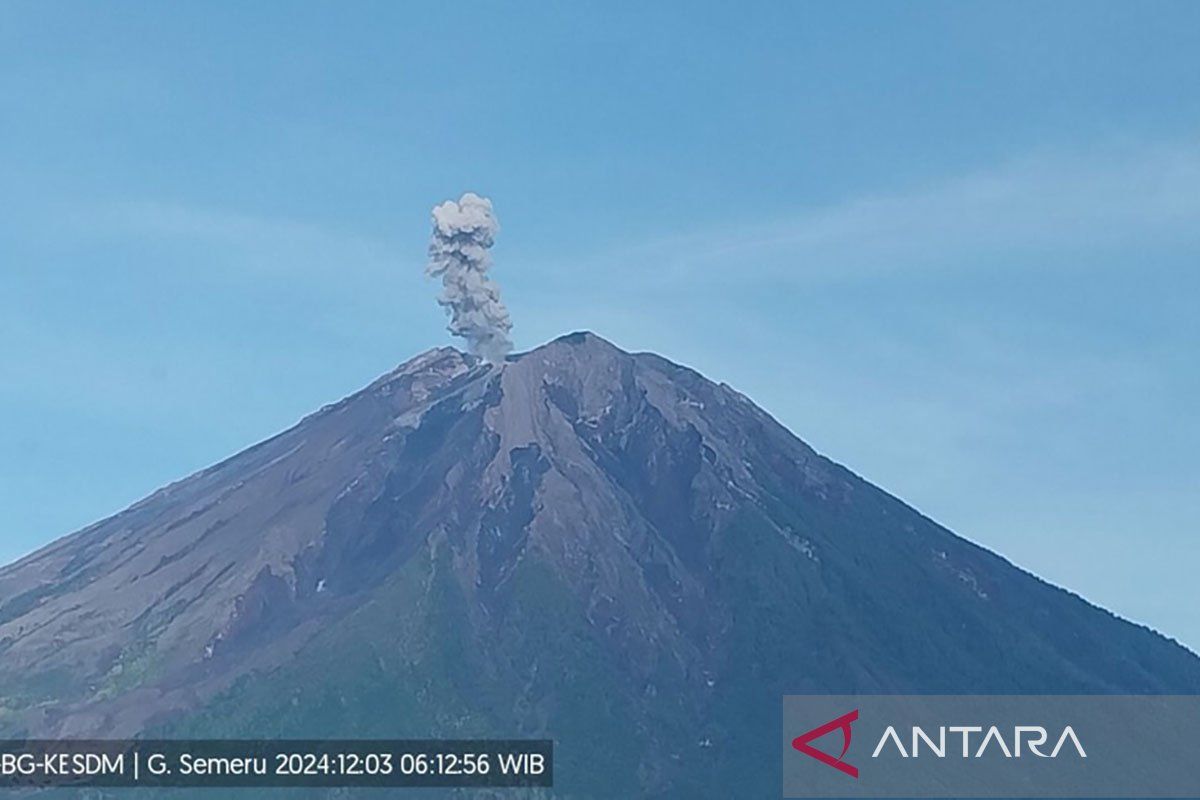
{"type": "Point", "coordinates": [595, 546]}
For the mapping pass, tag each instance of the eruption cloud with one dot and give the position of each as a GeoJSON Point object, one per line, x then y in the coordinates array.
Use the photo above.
{"type": "Point", "coordinates": [458, 254]}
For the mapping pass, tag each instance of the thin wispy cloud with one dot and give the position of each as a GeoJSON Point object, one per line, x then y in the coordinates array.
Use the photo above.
{"type": "Point", "coordinates": [1105, 199]}
{"type": "Point", "coordinates": [269, 244]}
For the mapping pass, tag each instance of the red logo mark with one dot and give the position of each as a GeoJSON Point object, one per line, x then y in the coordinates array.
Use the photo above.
{"type": "Point", "coordinates": [801, 743]}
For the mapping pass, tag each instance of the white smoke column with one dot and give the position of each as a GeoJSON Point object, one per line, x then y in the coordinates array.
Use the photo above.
{"type": "Point", "coordinates": [458, 254]}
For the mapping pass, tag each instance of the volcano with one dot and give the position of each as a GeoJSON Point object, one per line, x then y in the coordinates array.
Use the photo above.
{"type": "Point", "coordinates": [584, 544]}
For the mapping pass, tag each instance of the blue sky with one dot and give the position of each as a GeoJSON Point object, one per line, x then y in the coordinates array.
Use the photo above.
{"type": "Point", "coordinates": [953, 246]}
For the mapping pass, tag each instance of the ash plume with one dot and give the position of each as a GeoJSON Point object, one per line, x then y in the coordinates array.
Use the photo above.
{"type": "Point", "coordinates": [458, 254]}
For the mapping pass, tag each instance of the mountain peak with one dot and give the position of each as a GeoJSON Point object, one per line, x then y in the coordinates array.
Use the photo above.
{"type": "Point", "coordinates": [443, 356]}
{"type": "Point", "coordinates": [578, 540]}
{"type": "Point", "coordinates": [583, 337]}
{"type": "Point", "coordinates": [582, 341]}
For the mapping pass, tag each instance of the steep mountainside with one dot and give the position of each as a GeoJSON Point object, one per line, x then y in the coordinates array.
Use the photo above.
{"type": "Point", "coordinates": [595, 546]}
